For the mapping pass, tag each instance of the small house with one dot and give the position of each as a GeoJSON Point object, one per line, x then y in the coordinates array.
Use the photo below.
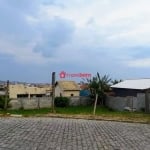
{"type": "Point", "coordinates": [131, 87]}
{"type": "Point", "coordinates": [66, 89]}
{"type": "Point", "coordinates": [131, 95]}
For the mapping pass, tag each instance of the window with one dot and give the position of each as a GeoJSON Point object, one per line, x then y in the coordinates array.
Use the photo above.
{"type": "Point", "coordinates": [22, 95]}
{"type": "Point", "coordinates": [72, 94]}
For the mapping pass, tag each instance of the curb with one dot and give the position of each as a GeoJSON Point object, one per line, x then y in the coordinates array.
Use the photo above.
{"type": "Point", "coordinates": [85, 117]}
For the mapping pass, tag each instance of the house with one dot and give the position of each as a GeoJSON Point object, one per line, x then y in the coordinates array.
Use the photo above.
{"type": "Point", "coordinates": [67, 88]}
{"type": "Point", "coordinates": [131, 87]}
{"type": "Point", "coordinates": [28, 91]}
{"type": "Point", "coordinates": [130, 94]}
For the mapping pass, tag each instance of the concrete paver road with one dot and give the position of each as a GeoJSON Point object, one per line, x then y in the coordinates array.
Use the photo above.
{"type": "Point", "coordinates": [72, 134]}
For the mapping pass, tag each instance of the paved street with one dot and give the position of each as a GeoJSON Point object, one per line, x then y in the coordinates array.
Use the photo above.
{"type": "Point", "coordinates": [71, 134]}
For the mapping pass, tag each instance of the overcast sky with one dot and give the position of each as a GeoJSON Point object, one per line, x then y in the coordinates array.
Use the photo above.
{"type": "Point", "coordinates": [77, 36]}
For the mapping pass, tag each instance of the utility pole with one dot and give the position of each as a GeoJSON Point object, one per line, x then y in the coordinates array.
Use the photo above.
{"type": "Point", "coordinates": [53, 91]}
{"type": "Point", "coordinates": [6, 95]}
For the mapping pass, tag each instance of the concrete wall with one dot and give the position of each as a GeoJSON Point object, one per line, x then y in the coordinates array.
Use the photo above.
{"type": "Point", "coordinates": [33, 103]}
{"type": "Point", "coordinates": [69, 93]}
{"type": "Point", "coordinates": [119, 103]}
{"type": "Point", "coordinates": [60, 92]}
{"type": "Point", "coordinates": [45, 102]}
{"type": "Point", "coordinates": [80, 100]}
{"type": "Point", "coordinates": [19, 89]}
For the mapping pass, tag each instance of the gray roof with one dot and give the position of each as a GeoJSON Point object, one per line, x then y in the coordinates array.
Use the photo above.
{"type": "Point", "coordinates": [139, 84]}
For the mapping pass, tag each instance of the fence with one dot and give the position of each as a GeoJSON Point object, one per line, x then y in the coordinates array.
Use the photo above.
{"type": "Point", "coordinates": [33, 103]}
{"type": "Point", "coordinates": [120, 103]}
{"type": "Point", "coordinates": [45, 102]}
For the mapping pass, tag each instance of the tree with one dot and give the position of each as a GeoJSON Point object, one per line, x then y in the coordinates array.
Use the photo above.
{"type": "Point", "coordinates": [104, 86]}
{"type": "Point", "coordinates": [116, 81]}
{"type": "Point", "coordinates": [98, 85]}
{"type": "Point", "coordinates": [4, 101]}
{"type": "Point", "coordinates": [94, 89]}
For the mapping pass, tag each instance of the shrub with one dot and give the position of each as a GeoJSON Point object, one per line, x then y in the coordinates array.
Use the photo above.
{"type": "Point", "coordinates": [61, 101]}
{"type": "Point", "coordinates": [2, 102]}
{"type": "Point", "coordinates": [142, 109]}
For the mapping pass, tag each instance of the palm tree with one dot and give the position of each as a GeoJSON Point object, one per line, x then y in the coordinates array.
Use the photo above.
{"type": "Point", "coordinates": [94, 89]}
{"type": "Point", "coordinates": [116, 81]}
{"type": "Point", "coordinates": [104, 86]}
{"type": "Point", "coordinates": [98, 85]}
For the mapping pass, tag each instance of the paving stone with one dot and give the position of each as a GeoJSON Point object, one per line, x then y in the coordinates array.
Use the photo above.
{"type": "Point", "coordinates": [72, 134]}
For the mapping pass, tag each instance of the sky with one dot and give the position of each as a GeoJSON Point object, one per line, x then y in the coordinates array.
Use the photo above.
{"type": "Point", "coordinates": [76, 36]}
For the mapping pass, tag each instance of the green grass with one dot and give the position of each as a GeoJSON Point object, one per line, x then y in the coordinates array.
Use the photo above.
{"type": "Point", "coordinates": [84, 110]}
{"type": "Point", "coordinates": [29, 112]}
{"type": "Point", "coordinates": [102, 112]}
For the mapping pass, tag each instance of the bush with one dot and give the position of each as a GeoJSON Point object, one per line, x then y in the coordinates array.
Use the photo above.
{"type": "Point", "coordinates": [61, 101]}
{"type": "Point", "coordinates": [2, 102]}
{"type": "Point", "coordinates": [142, 109]}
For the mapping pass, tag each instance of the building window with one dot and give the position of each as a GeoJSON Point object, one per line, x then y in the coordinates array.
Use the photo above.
{"type": "Point", "coordinates": [72, 94]}
{"type": "Point", "coordinates": [22, 95]}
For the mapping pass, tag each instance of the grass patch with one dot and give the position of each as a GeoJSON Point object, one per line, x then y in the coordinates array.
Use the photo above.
{"type": "Point", "coordinates": [29, 112]}
{"type": "Point", "coordinates": [74, 110]}
{"type": "Point", "coordinates": [85, 112]}
{"type": "Point", "coordinates": [105, 113]}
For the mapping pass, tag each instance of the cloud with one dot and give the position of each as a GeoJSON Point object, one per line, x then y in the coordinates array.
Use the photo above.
{"type": "Point", "coordinates": [115, 24]}
{"type": "Point", "coordinates": [77, 35]}
{"type": "Point", "coordinates": [139, 63]}
{"type": "Point", "coordinates": [54, 33]}
{"type": "Point", "coordinates": [102, 23]}
{"type": "Point", "coordinates": [18, 36]}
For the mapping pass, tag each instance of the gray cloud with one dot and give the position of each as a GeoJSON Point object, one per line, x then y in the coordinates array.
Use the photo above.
{"type": "Point", "coordinates": [54, 33]}
{"type": "Point", "coordinates": [14, 25]}
{"type": "Point", "coordinates": [85, 36]}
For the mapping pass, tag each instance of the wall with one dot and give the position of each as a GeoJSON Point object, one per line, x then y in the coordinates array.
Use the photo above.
{"type": "Point", "coordinates": [68, 93]}
{"type": "Point", "coordinates": [119, 103]}
{"type": "Point", "coordinates": [58, 91]}
{"type": "Point", "coordinates": [33, 103]}
{"type": "Point", "coordinates": [126, 92]}
{"type": "Point", "coordinates": [45, 102]}
{"type": "Point", "coordinates": [16, 89]}
{"type": "Point", "coordinates": [80, 100]}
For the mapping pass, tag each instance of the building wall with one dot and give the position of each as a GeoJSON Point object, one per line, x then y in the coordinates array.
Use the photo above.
{"type": "Point", "coordinates": [33, 103]}
{"type": "Point", "coordinates": [119, 103]}
{"type": "Point", "coordinates": [126, 92]}
{"type": "Point", "coordinates": [45, 102]}
{"type": "Point", "coordinates": [58, 91]}
{"type": "Point", "coordinates": [80, 100]}
{"type": "Point", "coordinates": [21, 89]}
{"type": "Point", "coordinates": [69, 93]}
